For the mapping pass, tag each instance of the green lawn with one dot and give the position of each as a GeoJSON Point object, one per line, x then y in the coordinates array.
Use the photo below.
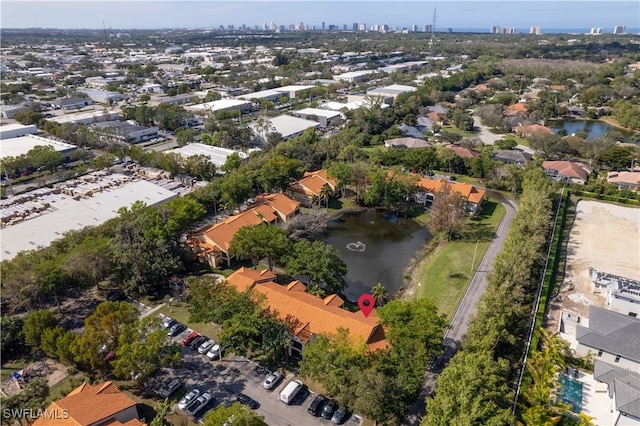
{"type": "Point", "coordinates": [178, 310]}
{"type": "Point", "coordinates": [444, 277]}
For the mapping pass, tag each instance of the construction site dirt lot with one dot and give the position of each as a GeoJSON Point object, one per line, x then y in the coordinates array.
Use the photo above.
{"type": "Point", "coordinates": [605, 237]}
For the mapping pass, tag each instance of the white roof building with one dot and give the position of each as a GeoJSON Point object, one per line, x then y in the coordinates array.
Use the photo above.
{"type": "Point", "coordinates": [216, 155]}
{"type": "Point", "coordinates": [70, 214]}
{"type": "Point", "coordinates": [354, 75]}
{"type": "Point", "coordinates": [390, 92]}
{"type": "Point", "coordinates": [338, 106]}
{"type": "Point", "coordinates": [221, 105]}
{"type": "Point", "coordinates": [324, 116]}
{"type": "Point", "coordinates": [288, 126]}
{"type": "Point", "coordinates": [15, 130]}
{"type": "Point", "coordinates": [15, 147]}
{"type": "Point", "coordinates": [271, 94]}
{"type": "Point", "coordinates": [86, 117]}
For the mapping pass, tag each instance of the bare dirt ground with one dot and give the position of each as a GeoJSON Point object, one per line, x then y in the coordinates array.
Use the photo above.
{"type": "Point", "coordinates": [605, 237]}
{"type": "Point", "coordinates": [53, 371]}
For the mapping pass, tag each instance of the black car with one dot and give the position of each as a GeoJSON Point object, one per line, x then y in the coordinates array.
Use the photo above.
{"type": "Point", "coordinates": [115, 296]}
{"type": "Point", "coordinates": [176, 329]}
{"type": "Point", "coordinates": [316, 405]}
{"type": "Point", "coordinates": [171, 388]}
{"type": "Point", "coordinates": [247, 400]}
{"type": "Point", "coordinates": [195, 343]}
{"type": "Point", "coordinates": [328, 409]}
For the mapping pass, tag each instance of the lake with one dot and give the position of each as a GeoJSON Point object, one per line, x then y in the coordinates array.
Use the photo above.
{"type": "Point", "coordinates": [376, 248]}
{"type": "Point", "coordinates": [593, 128]}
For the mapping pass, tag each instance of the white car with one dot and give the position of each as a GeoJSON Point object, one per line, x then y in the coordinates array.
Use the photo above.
{"type": "Point", "coordinates": [204, 348]}
{"type": "Point", "coordinates": [198, 404]}
{"type": "Point", "coordinates": [188, 399]}
{"type": "Point", "coordinates": [272, 380]}
{"type": "Point", "coordinates": [215, 352]}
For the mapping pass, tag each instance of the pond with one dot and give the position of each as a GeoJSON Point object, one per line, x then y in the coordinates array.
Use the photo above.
{"type": "Point", "coordinates": [593, 128]}
{"type": "Point", "coordinates": [376, 247]}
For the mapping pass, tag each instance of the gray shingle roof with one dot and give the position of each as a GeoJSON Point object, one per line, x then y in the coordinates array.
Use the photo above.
{"type": "Point", "coordinates": [611, 332]}
{"type": "Point", "coordinates": [512, 156]}
{"type": "Point", "coordinates": [623, 383]}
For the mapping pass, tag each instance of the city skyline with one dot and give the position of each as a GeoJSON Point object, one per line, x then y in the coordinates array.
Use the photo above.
{"type": "Point", "coordinates": [481, 15]}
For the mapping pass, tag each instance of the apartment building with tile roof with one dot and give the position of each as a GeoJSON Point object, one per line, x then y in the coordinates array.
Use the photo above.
{"type": "Point", "coordinates": [307, 315]}
{"type": "Point", "coordinates": [429, 189]}
{"type": "Point", "coordinates": [89, 405]}
{"type": "Point", "coordinates": [211, 244]}
{"type": "Point", "coordinates": [310, 186]}
{"type": "Point", "coordinates": [567, 171]}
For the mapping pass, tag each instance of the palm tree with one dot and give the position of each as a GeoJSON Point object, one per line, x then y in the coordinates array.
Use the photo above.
{"type": "Point", "coordinates": [325, 194]}
{"type": "Point", "coordinates": [380, 294]}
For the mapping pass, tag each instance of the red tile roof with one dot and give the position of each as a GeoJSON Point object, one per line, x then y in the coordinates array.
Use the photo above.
{"type": "Point", "coordinates": [462, 151]}
{"type": "Point", "coordinates": [470, 193]}
{"type": "Point", "coordinates": [312, 182]}
{"type": "Point", "coordinates": [87, 405]}
{"type": "Point", "coordinates": [245, 278]}
{"type": "Point", "coordinates": [571, 169]}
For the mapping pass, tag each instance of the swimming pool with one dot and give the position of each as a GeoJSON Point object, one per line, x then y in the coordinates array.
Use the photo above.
{"type": "Point", "coordinates": [571, 393]}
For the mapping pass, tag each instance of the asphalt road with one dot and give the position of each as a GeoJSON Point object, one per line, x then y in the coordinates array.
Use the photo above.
{"type": "Point", "coordinates": [464, 313]}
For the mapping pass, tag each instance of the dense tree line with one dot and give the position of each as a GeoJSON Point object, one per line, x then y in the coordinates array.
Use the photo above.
{"type": "Point", "coordinates": [478, 384]}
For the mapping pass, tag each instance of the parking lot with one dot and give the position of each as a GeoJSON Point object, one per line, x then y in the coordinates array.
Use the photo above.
{"type": "Point", "coordinates": [233, 375]}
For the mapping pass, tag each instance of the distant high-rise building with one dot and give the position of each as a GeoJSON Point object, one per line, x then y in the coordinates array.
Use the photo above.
{"type": "Point", "coordinates": [384, 28]}
{"type": "Point", "coordinates": [449, 30]}
{"type": "Point", "coordinates": [345, 27]}
{"type": "Point", "coordinates": [221, 27]}
{"type": "Point", "coordinates": [354, 26]}
{"type": "Point", "coordinates": [535, 30]}
{"type": "Point", "coordinates": [495, 30]}
{"type": "Point", "coordinates": [619, 29]}
{"type": "Point", "coordinates": [282, 28]}
{"type": "Point", "coordinates": [272, 26]}
{"type": "Point", "coordinates": [595, 31]}
{"type": "Point", "coordinates": [509, 30]}
{"type": "Point", "coordinates": [322, 25]}
{"type": "Point", "coordinates": [362, 26]}
{"type": "Point", "coordinates": [230, 27]}
{"type": "Point", "coordinates": [428, 28]}
{"type": "Point", "coordinates": [414, 28]}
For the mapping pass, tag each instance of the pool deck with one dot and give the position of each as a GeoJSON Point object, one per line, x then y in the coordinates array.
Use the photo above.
{"type": "Point", "coordinates": [595, 400]}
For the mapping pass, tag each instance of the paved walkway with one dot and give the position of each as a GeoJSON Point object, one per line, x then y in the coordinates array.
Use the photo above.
{"type": "Point", "coordinates": [149, 312]}
{"type": "Point", "coordinates": [464, 313]}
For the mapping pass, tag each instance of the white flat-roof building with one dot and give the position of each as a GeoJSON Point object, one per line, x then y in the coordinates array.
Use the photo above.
{"type": "Point", "coordinates": [15, 147]}
{"type": "Point", "coordinates": [222, 105]}
{"type": "Point", "coordinates": [338, 106]}
{"type": "Point", "coordinates": [70, 214]}
{"type": "Point", "coordinates": [292, 90]}
{"type": "Point", "coordinates": [216, 155]}
{"type": "Point", "coordinates": [324, 116]}
{"type": "Point", "coordinates": [354, 76]}
{"type": "Point", "coordinates": [268, 95]}
{"type": "Point", "coordinates": [87, 117]}
{"type": "Point", "coordinates": [389, 93]}
{"type": "Point", "coordinates": [288, 126]}
{"type": "Point", "coordinates": [127, 132]}
{"type": "Point", "coordinates": [16, 130]}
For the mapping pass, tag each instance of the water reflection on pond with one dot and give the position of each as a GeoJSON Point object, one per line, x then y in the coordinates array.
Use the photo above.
{"type": "Point", "coordinates": [376, 248]}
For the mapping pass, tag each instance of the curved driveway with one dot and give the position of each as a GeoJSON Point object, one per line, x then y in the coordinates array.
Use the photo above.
{"type": "Point", "coordinates": [465, 311]}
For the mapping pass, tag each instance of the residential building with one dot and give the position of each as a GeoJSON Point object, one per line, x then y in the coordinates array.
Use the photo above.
{"type": "Point", "coordinates": [595, 31]}
{"type": "Point", "coordinates": [619, 29]}
{"type": "Point", "coordinates": [612, 337]}
{"type": "Point", "coordinates": [15, 130]}
{"type": "Point", "coordinates": [89, 405]}
{"type": "Point", "coordinates": [535, 30]}
{"type": "Point", "coordinates": [309, 188]}
{"type": "Point", "coordinates": [622, 294]}
{"type": "Point", "coordinates": [428, 190]}
{"type": "Point", "coordinates": [623, 389]}
{"type": "Point", "coordinates": [532, 129]}
{"type": "Point", "coordinates": [127, 132]}
{"type": "Point", "coordinates": [409, 142]}
{"type": "Point", "coordinates": [462, 151]}
{"type": "Point", "coordinates": [512, 156]}
{"type": "Point", "coordinates": [567, 171]}
{"type": "Point", "coordinates": [216, 155]}
{"type": "Point", "coordinates": [625, 180]}
{"type": "Point", "coordinates": [307, 315]}
{"type": "Point", "coordinates": [211, 244]}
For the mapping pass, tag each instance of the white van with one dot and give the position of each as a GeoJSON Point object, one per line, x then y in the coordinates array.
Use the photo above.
{"type": "Point", "coordinates": [290, 391]}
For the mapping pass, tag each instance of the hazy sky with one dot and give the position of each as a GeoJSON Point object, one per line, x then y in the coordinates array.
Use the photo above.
{"type": "Point", "coordinates": [207, 13]}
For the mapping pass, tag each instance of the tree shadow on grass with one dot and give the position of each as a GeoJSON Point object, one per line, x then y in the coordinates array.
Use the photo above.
{"type": "Point", "coordinates": [477, 228]}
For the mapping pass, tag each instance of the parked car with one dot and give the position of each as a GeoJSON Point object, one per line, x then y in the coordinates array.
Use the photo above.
{"type": "Point", "coordinates": [316, 405]}
{"type": "Point", "coordinates": [171, 388]}
{"type": "Point", "coordinates": [116, 295]}
{"type": "Point", "coordinates": [198, 404]}
{"type": "Point", "coordinates": [168, 323]}
{"type": "Point", "coordinates": [290, 391]}
{"type": "Point", "coordinates": [247, 400]}
{"type": "Point", "coordinates": [195, 344]}
{"type": "Point", "coordinates": [339, 415]}
{"type": "Point", "coordinates": [189, 338]}
{"type": "Point", "coordinates": [188, 399]}
{"type": "Point", "coordinates": [215, 352]}
{"type": "Point", "coordinates": [328, 409]}
{"type": "Point", "coordinates": [204, 348]}
{"type": "Point", "coordinates": [176, 329]}
{"type": "Point", "coordinates": [272, 380]}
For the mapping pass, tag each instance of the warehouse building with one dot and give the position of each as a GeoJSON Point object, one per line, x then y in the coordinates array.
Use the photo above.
{"type": "Point", "coordinates": [217, 156]}
{"type": "Point", "coordinates": [16, 147]}
{"type": "Point", "coordinates": [16, 130]}
{"type": "Point", "coordinates": [127, 132]}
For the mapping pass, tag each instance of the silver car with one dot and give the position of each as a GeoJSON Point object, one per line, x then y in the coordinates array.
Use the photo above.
{"type": "Point", "coordinates": [204, 348]}
{"type": "Point", "coordinates": [272, 380]}
{"type": "Point", "coordinates": [188, 399]}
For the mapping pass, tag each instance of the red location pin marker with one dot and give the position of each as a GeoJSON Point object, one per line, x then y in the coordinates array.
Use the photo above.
{"type": "Point", "coordinates": [366, 303]}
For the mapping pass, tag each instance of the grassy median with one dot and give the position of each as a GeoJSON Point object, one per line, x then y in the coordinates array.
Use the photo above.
{"type": "Point", "coordinates": [445, 274]}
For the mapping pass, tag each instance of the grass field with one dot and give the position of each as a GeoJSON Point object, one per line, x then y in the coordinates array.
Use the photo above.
{"type": "Point", "coordinates": [180, 313]}
{"type": "Point", "coordinates": [445, 274]}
